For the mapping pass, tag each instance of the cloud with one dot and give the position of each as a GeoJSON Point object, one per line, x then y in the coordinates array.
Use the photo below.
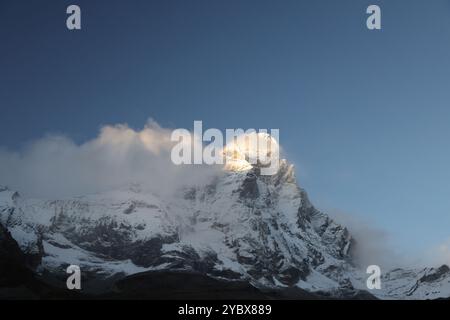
{"type": "Point", "coordinates": [441, 253]}
{"type": "Point", "coordinates": [55, 166]}
{"type": "Point", "coordinates": [372, 244]}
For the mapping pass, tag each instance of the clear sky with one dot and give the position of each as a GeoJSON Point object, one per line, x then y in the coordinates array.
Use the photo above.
{"type": "Point", "coordinates": [364, 115]}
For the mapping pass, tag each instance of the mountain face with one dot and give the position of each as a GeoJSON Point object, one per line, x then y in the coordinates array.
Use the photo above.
{"type": "Point", "coordinates": [241, 226]}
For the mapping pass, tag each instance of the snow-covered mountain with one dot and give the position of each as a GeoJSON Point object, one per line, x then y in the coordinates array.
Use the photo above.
{"type": "Point", "coordinates": [239, 226]}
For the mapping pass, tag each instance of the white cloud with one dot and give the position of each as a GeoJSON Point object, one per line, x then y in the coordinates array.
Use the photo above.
{"type": "Point", "coordinates": [55, 166]}
{"type": "Point", "coordinates": [372, 244]}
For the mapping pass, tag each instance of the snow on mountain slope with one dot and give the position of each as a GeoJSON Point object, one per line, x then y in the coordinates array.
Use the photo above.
{"type": "Point", "coordinates": [241, 225]}
{"type": "Point", "coordinates": [426, 283]}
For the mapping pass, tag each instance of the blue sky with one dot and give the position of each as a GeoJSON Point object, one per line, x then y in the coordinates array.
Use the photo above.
{"type": "Point", "coordinates": [364, 115]}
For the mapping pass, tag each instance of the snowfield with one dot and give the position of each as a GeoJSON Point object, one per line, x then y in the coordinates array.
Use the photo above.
{"type": "Point", "coordinates": [242, 225]}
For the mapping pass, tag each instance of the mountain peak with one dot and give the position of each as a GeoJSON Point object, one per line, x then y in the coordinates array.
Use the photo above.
{"type": "Point", "coordinates": [241, 225]}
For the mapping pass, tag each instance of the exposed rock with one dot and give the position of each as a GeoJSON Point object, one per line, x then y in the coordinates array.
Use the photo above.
{"type": "Point", "coordinates": [240, 226]}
